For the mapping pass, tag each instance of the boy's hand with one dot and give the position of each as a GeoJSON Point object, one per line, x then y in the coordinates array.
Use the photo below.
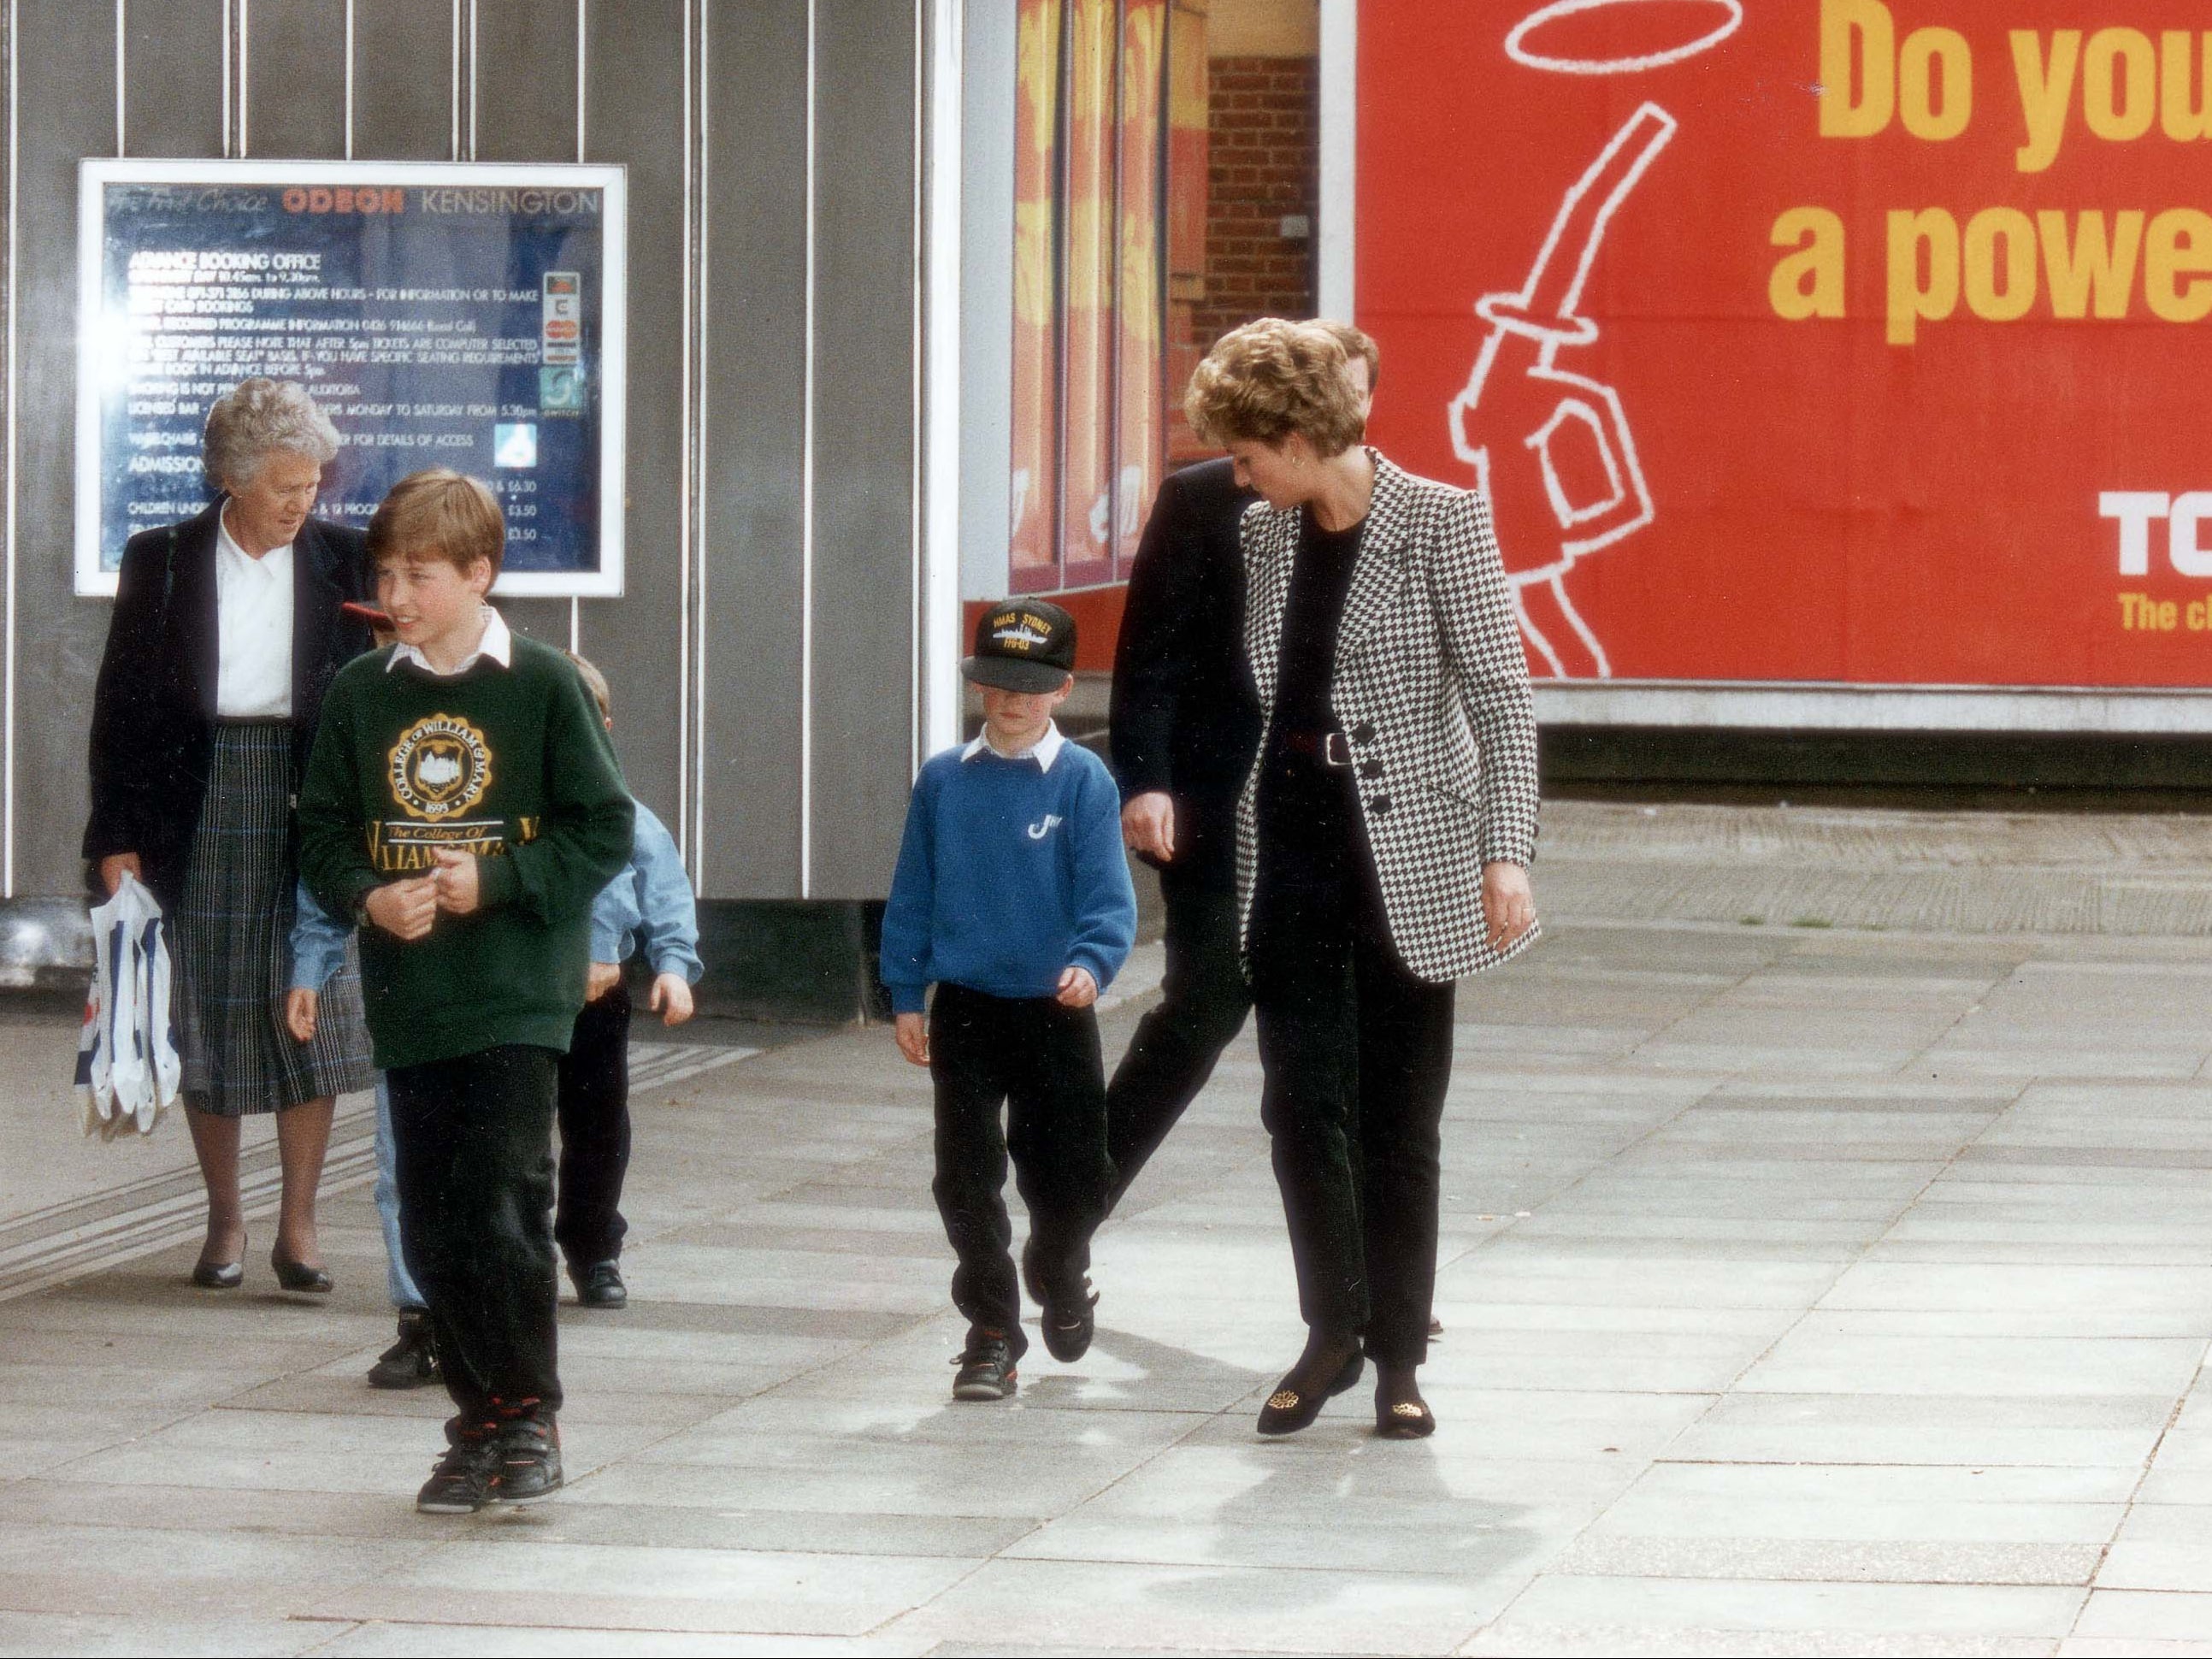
{"type": "Point", "coordinates": [1148, 824]}
{"type": "Point", "coordinates": [456, 878]}
{"type": "Point", "coordinates": [913, 1033]}
{"type": "Point", "coordinates": [1076, 988]}
{"type": "Point", "coordinates": [299, 1015]}
{"type": "Point", "coordinates": [671, 998]}
{"type": "Point", "coordinates": [405, 909]}
{"type": "Point", "coordinates": [600, 978]}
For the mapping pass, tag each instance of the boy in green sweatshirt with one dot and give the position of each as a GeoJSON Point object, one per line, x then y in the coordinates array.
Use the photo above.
{"type": "Point", "coordinates": [462, 805]}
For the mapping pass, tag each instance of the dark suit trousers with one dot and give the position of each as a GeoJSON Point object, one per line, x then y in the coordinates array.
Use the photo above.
{"type": "Point", "coordinates": [1357, 1054]}
{"type": "Point", "coordinates": [1203, 1002]}
{"type": "Point", "coordinates": [595, 1117]}
{"type": "Point", "coordinates": [473, 1137]}
{"type": "Point", "coordinates": [1040, 1062]}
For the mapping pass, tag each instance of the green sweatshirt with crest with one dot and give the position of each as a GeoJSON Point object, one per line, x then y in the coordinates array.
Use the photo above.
{"type": "Point", "coordinates": [510, 764]}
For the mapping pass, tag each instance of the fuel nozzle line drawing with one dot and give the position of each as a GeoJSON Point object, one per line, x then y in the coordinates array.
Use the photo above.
{"type": "Point", "coordinates": [1551, 449]}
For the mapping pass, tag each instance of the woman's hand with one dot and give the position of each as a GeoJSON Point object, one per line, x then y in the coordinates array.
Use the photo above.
{"type": "Point", "coordinates": [1509, 904]}
{"type": "Point", "coordinates": [299, 1015]}
{"type": "Point", "coordinates": [113, 866]}
{"type": "Point", "coordinates": [912, 1031]}
{"type": "Point", "coordinates": [671, 998]}
{"type": "Point", "coordinates": [405, 909]}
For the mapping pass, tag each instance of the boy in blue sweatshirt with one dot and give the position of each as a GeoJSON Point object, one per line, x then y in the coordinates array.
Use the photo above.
{"type": "Point", "coordinates": [1013, 898]}
{"type": "Point", "coordinates": [648, 907]}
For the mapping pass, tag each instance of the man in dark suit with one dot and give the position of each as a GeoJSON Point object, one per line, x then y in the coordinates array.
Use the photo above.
{"type": "Point", "coordinates": [1184, 727]}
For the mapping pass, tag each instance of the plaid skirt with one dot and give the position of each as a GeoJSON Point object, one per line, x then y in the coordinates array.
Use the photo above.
{"type": "Point", "coordinates": [231, 939]}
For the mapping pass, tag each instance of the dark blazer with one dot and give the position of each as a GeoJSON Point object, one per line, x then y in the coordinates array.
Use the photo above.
{"type": "Point", "coordinates": [1184, 716]}
{"type": "Point", "coordinates": [153, 709]}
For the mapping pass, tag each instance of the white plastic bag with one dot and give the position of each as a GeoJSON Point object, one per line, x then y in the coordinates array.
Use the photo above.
{"type": "Point", "coordinates": [126, 1060]}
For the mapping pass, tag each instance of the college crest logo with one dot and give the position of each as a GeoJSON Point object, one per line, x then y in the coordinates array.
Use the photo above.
{"type": "Point", "coordinates": [439, 768]}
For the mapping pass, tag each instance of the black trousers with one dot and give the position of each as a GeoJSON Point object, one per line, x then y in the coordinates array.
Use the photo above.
{"type": "Point", "coordinates": [1357, 1054]}
{"type": "Point", "coordinates": [1203, 1001]}
{"type": "Point", "coordinates": [594, 1117]}
{"type": "Point", "coordinates": [1041, 1061]}
{"type": "Point", "coordinates": [474, 1142]}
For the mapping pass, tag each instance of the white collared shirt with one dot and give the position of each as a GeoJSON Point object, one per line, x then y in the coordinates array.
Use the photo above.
{"type": "Point", "coordinates": [253, 629]}
{"type": "Point", "coordinates": [1044, 751]}
{"type": "Point", "coordinates": [497, 643]}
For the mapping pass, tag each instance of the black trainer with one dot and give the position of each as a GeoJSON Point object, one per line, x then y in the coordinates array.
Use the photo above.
{"type": "Point", "coordinates": [1070, 1318]}
{"type": "Point", "coordinates": [408, 1363]}
{"type": "Point", "coordinates": [526, 1464]}
{"type": "Point", "coordinates": [461, 1483]}
{"type": "Point", "coordinates": [987, 1369]}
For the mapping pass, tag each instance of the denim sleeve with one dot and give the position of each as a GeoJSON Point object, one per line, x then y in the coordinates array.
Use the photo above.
{"type": "Point", "coordinates": [615, 916]}
{"type": "Point", "coordinates": [667, 915]}
{"type": "Point", "coordinates": [319, 943]}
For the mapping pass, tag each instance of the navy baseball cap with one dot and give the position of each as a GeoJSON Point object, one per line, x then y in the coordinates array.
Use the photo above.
{"type": "Point", "coordinates": [1022, 645]}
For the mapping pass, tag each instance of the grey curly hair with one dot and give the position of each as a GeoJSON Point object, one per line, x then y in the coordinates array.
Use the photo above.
{"type": "Point", "coordinates": [260, 418]}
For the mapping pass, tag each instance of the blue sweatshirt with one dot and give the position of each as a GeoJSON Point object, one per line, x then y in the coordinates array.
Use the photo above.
{"type": "Point", "coordinates": [1011, 871]}
{"type": "Point", "coordinates": [649, 906]}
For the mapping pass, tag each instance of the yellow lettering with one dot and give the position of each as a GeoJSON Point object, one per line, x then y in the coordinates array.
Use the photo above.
{"type": "Point", "coordinates": [1911, 301]}
{"type": "Point", "coordinates": [2091, 263]}
{"type": "Point", "coordinates": [1856, 35]}
{"type": "Point", "coordinates": [2046, 89]}
{"type": "Point", "coordinates": [2177, 269]}
{"type": "Point", "coordinates": [2186, 112]}
{"type": "Point", "coordinates": [2119, 107]}
{"type": "Point", "coordinates": [1810, 281]}
{"type": "Point", "coordinates": [2009, 301]}
{"type": "Point", "coordinates": [1925, 49]}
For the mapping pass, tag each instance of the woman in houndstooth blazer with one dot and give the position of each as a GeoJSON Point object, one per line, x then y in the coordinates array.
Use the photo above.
{"type": "Point", "coordinates": [1384, 838]}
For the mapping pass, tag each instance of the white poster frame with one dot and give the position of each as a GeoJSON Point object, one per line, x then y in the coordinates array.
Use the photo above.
{"type": "Point", "coordinates": [95, 175]}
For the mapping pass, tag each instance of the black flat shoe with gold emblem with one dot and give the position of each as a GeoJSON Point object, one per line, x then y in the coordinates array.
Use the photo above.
{"type": "Point", "coordinates": [1326, 1369]}
{"type": "Point", "coordinates": [1400, 1414]}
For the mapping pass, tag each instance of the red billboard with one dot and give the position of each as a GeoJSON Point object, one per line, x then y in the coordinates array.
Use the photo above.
{"type": "Point", "coordinates": [1854, 341]}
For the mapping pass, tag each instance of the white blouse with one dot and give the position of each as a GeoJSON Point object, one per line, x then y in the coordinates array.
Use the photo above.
{"type": "Point", "coordinates": [253, 613]}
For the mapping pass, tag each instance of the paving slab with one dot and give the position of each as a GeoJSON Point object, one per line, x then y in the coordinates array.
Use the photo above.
{"type": "Point", "coordinates": [1808, 1290]}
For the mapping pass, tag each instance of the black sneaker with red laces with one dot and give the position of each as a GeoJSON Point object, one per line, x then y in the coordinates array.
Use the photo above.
{"type": "Point", "coordinates": [526, 1463]}
{"type": "Point", "coordinates": [987, 1369]}
{"type": "Point", "coordinates": [462, 1479]}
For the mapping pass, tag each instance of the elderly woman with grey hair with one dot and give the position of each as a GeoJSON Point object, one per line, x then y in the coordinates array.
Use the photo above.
{"type": "Point", "coordinates": [227, 631]}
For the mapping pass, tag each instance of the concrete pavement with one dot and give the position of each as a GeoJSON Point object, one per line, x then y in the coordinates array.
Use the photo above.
{"type": "Point", "coordinates": [1809, 1289]}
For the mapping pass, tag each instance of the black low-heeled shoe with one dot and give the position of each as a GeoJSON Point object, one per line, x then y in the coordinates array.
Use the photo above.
{"type": "Point", "coordinates": [1400, 1419]}
{"type": "Point", "coordinates": [218, 1275]}
{"type": "Point", "coordinates": [1295, 1404]}
{"type": "Point", "coordinates": [299, 1276]}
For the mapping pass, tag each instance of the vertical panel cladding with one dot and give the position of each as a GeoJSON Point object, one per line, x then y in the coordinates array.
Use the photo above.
{"type": "Point", "coordinates": [173, 58]}
{"type": "Point", "coordinates": [634, 59]}
{"type": "Point", "coordinates": [753, 309]}
{"type": "Point", "coordinates": [403, 61]}
{"type": "Point", "coordinates": [67, 87]}
{"type": "Point", "coordinates": [864, 551]}
{"type": "Point", "coordinates": [524, 100]}
{"type": "Point", "coordinates": [295, 78]}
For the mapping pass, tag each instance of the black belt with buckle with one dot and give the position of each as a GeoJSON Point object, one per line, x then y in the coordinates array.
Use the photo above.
{"type": "Point", "coordinates": [1330, 749]}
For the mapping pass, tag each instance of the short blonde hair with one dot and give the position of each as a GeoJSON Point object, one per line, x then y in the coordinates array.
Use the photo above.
{"type": "Point", "coordinates": [439, 513]}
{"type": "Point", "coordinates": [258, 418]}
{"type": "Point", "coordinates": [595, 683]}
{"type": "Point", "coordinates": [1269, 379]}
{"type": "Point", "coordinates": [1357, 342]}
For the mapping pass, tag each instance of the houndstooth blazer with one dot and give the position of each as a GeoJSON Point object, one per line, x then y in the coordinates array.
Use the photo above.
{"type": "Point", "coordinates": [1431, 688]}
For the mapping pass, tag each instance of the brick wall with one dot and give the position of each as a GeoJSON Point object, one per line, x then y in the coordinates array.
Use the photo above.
{"type": "Point", "coordinates": [1263, 140]}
